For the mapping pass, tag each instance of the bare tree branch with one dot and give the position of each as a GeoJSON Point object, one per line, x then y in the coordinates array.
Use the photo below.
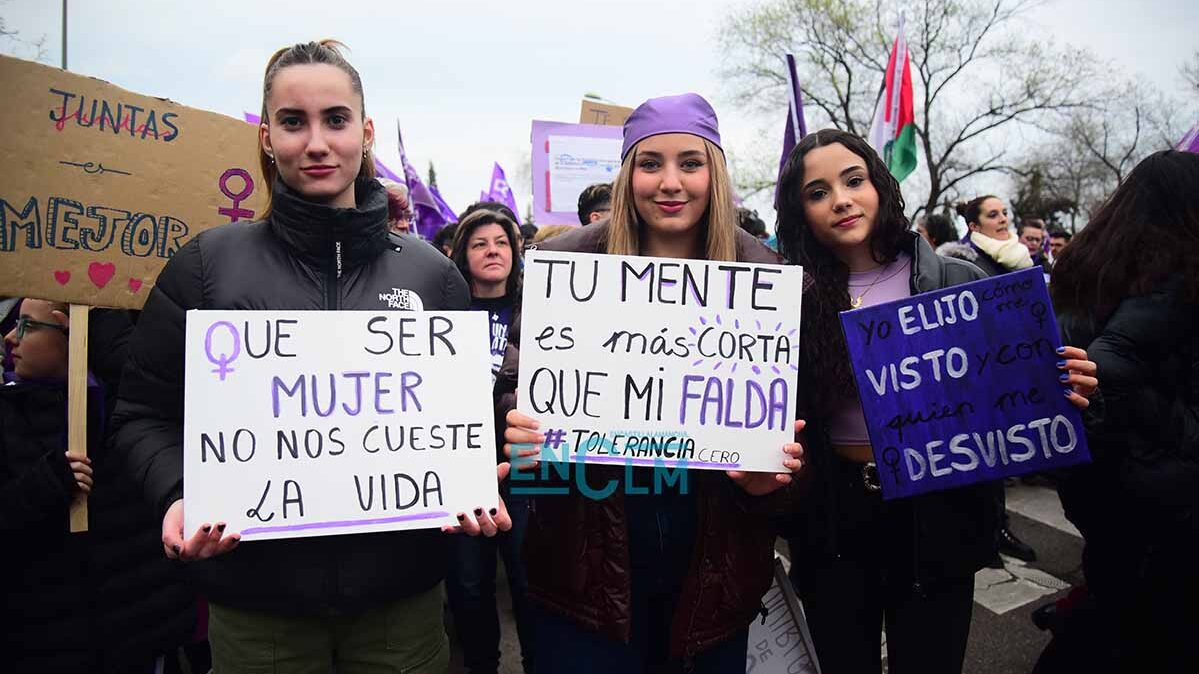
{"type": "Point", "coordinates": [842, 48]}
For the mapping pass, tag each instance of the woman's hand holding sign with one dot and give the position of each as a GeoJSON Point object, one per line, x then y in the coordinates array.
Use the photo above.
{"type": "Point", "coordinates": [760, 484]}
{"type": "Point", "coordinates": [487, 522]}
{"type": "Point", "coordinates": [523, 440]}
{"type": "Point", "coordinates": [208, 541]}
{"type": "Point", "coordinates": [1079, 373]}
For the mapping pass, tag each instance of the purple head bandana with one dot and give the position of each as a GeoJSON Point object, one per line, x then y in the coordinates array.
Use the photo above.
{"type": "Point", "coordinates": [688, 113]}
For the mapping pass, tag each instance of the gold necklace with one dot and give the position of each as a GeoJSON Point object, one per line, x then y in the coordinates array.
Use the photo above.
{"type": "Point", "coordinates": [856, 302]}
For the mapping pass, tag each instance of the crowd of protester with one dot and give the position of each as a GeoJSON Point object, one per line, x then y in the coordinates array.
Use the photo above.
{"type": "Point", "coordinates": [663, 582]}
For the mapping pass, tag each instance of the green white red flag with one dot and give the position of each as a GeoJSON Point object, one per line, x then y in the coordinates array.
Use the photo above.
{"type": "Point", "coordinates": [893, 132]}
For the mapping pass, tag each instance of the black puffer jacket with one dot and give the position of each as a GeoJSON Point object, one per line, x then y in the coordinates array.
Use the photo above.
{"type": "Point", "coordinates": [45, 591]}
{"type": "Point", "coordinates": [1140, 496]}
{"type": "Point", "coordinates": [101, 601]}
{"type": "Point", "coordinates": [304, 256]}
{"type": "Point", "coordinates": [953, 531]}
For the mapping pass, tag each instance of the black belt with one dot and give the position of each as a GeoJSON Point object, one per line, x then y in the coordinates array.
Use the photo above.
{"type": "Point", "coordinates": [860, 475]}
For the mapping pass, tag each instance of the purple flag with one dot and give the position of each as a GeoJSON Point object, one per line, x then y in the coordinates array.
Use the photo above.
{"type": "Point", "coordinates": [500, 192]}
{"type": "Point", "coordinates": [446, 212]}
{"type": "Point", "coordinates": [796, 127]}
{"type": "Point", "coordinates": [380, 168]}
{"type": "Point", "coordinates": [429, 217]}
{"type": "Point", "coordinates": [1190, 142]}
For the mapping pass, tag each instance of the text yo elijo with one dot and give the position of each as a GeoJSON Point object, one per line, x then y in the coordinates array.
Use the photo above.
{"type": "Point", "coordinates": [960, 386]}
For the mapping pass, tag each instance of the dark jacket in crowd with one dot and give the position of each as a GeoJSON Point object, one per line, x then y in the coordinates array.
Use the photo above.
{"type": "Point", "coordinates": [1137, 503]}
{"type": "Point", "coordinates": [577, 550]}
{"type": "Point", "coordinates": [952, 532]}
{"type": "Point", "coordinates": [305, 256]}
{"type": "Point", "coordinates": [48, 618]}
{"type": "Point", "coordinates": [106, 600]}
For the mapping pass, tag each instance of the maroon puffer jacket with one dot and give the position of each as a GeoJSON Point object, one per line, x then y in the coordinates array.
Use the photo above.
{"type": "Point", "coordinates": [576, 549]}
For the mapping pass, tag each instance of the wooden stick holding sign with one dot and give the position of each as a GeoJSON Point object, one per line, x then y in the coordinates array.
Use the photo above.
{"type": "Point", "coordinates": [77, 405]}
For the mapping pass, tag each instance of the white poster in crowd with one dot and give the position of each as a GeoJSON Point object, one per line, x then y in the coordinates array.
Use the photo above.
{"type": "Point", "coordinates": [567, 158]}
{"type": "Point", "coordinates": [314, 423]}
{"type": "Point", "coordinates": [577, 163]}
{"type": "Point", "coordinates": [647, 361]}
{"type": "Point", "coordinates": [780, 643]}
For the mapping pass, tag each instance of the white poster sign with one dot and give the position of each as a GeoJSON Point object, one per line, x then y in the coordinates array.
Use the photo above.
{"type": "Point", "coordinates": [644, 361]}
{"type": "Point", "coordinates": [314, 423]}
{"type": "Point", "coordinates": [780, 643]}
{"type": "Point", "coordinates": [577, 162]}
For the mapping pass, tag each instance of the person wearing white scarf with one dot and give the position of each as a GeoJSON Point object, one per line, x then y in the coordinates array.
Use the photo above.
{"type": "Point", "coordinates": [990, 233]}
{"type": "Point", "coordinates": [1009, 252]}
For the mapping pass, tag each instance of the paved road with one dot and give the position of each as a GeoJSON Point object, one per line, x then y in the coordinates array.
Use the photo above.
{"type": "Point", "coordinates": [1003, 639]}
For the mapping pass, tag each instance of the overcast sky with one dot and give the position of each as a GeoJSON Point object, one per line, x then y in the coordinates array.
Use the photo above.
{"type": "Point", "coordinates": [466, 78]}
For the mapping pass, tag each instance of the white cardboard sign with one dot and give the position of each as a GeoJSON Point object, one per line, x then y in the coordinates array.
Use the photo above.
{"type": "Point", "coordinates": [780, 643]}
{"type": "Point", "coordinates": [315, 423]}
{"type": "Point", "coordinates": [649, 361]}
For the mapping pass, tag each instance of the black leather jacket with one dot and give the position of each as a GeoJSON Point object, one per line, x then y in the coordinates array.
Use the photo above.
{"type": "Point", "coordinates": [303, 256]}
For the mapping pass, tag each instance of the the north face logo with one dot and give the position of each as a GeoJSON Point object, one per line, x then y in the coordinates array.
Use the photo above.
{"type": "Point", "coordinates": [402, 298]}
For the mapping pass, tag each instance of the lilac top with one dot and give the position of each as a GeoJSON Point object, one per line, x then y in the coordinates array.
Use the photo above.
{"type": "Point", "coordinates": [889, 283]}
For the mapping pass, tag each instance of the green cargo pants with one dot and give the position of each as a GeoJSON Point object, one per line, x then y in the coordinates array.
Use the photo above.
{"type": "Point", "coordinates": [404, 636]}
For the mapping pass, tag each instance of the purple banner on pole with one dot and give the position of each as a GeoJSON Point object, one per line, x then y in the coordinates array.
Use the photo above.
{"type": "Point", "coordinates": [446, 212]}
{"type": "Point", "coordinates": [429, 217]}
{"type": "Point", "coordinates": [500, 192]}
{"type": "Point", "coordinates": [796, 127]}
{"type": "Point", "coordinates": [960, 385]}
{"type": "Point", "coordinates": [1190, 142]}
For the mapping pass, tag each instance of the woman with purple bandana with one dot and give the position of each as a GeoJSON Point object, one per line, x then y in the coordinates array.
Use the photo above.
{"type": "Point", "coordinates": [667, 581]}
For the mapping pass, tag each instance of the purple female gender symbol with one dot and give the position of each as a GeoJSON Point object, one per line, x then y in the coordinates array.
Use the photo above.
{"type": "Point", "coordinates": [236, 212]}
{"type": "Point", "coordinates": [222, 361]}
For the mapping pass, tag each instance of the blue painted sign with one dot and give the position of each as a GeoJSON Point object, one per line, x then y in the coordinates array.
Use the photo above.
{"type": "Point", "coordinates": [961, 386]}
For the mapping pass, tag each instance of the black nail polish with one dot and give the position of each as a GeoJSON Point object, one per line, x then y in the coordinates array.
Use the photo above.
{"type": "Point", "coordinates": [478, 512]}
{"type": "Point", "coordinates": [493, 511]}
{"type": "Point", "coordinates": [206, 528]}
{"type": "Point", "coordinates": [220, 527]}
{"type": "Point", "coordinates": [461, 517]}
{"type": "Point", "coordinates": [175, 548]}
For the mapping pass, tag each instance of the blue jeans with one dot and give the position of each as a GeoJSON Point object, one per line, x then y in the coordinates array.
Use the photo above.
{"type": "Point", "coordinates": [470, 586]}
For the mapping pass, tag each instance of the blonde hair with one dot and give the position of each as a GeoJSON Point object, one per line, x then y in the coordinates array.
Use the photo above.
{"type": "Point", "coordinates": [720, 221]}
{"type": "Point", "coordinates": [550, 231]}
{"type": "Point", "coordinates": [325, 51]}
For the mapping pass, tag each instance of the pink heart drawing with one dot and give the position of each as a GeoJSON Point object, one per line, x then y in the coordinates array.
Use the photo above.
{"type": "Point", "coordinates": [62, 277]}
{"type": "Point", "coordinates": [135, 284]}
{"type": "Point", "coordinates": [101, 273]}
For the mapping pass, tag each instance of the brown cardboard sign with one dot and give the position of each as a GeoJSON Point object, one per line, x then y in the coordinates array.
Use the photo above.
{"type": "Point", "coordinates": [604, 114]}
{"type": "Point", "coordinates": [100, 186]}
